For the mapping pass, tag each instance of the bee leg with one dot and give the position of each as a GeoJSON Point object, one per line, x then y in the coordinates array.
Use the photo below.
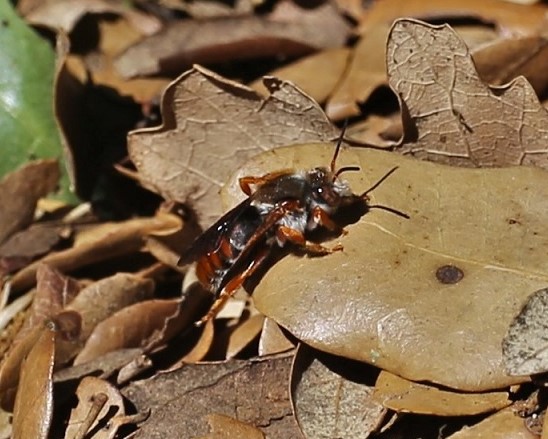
{"type": "Point", "coordinates": [248, 181]}
{"type": "Point", "coordinates": [287, 234]}
{"type": "Point", "coordinates": [322, 218]}
{"type": "Point", "coordinates": [231, 287]}
{"type": "Point", "coordinates": [217, 306]}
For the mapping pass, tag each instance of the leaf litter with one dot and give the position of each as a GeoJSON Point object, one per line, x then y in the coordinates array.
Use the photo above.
{"type": "Point", "coordinates": [440, 264]}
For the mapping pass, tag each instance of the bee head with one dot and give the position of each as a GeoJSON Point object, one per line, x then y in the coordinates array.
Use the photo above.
{"type": "Point", "coordinates": [327, 190]}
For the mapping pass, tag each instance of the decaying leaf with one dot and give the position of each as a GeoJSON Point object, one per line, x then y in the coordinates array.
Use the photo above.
{"type": "Point", "coordinates": [507, 58]}
{"type": "Point", "coordinates": [401, 395]}
{"type": "Point", "coordinates": [506, 16]}
{"type": "Point", "coordinates": [329, 395]}
{"type": "Point", "coordinates": [505, 424]}
{"type": "Point", "coordinates": [33, 409]}
{"type": "Point", "coordinates": [34, 241]}
{"type": "Point", "coordinates": [102, 367]}
{"type": "Point", "coordinates": [366, 72]}
{"type": "Point", "coordinates": [102, 299]}
{"type": "Point", "coordinates": [65, 14]}
{"type": "Point", "coordinates": [120, 331]}
{"type": "Point", "coordinates": [98, 402]}
{"type": "Point", "coordinates": [53, 292]}
{"type": "Point", "coordinates": [211, 126]}
{"type": "Point", "coordinates": [429, 298]}
{"type": "Point", "coordinates": [457, 118]}
{"type": "Point", "coordinates": [289, 30]}
{"type": "Point", "coordinates": [200, 348]}
{"type": "Point", "coordinates": [20, 191]}
{"type": "Point", "coordinates": [317, 75]}
{"type": "Point", "coordinates": [525, 346]}
{"type": "Point", "coordinates": [244, 334]}
{"type": "Point", "coordinates": [121, 238]}
{"type": "Point", "coordinates": [273, 340]}
{"type": "Point", "coordinates": [255, 392]}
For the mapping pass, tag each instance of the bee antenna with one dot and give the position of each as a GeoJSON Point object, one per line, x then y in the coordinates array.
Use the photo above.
{"type": "Point", "coordinates": [389, 209]}
{"type": "Point", "coordinates": [338, 146]}
{"type": "Point", "coordinates": [378, 183]}
{"type": "Point", "coordinates": [345, 169]}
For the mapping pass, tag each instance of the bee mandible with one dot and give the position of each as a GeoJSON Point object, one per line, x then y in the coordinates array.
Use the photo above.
{"type": "Point", "coordinates": [284, 207]}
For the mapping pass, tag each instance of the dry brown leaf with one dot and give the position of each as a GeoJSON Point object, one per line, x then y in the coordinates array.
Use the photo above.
{"type": "Point", "coordinates": [122, 238]}
{"type": "Point", "coordinates": [225, 427]}
{"type": "Point", "coordinates": [208, 9]}
{"type": "Point", "coordinates": [317, 75]}
{"type": "Point", "coordinates": [367, 72]}
{"type": "Point", "coordinates": [273, 340]}
{"type": "Point", "coordinates": [383, 299]}
{"type": "Point", "coordinates": [330, 394]}
{"type": "Point", "coordinates": [20, 191]}
{"type": "Point", "coordinates": [33, 409]}
{"type": "Point", "coordinates": [505, 424]}
{"type": "Point", "coordinates": [244, 334]}
{"type": "Point", "coordinates": [255, 392]}
{"type": "Point", "coordinates": [475, 35]}
{"type": "Point", "coordinates": [507, 16]}
{"type": "Point", "coordinates": [457, 118]}
{"type": "Point", "coordinates": [65, 14]}
{"type": "Point", "coordinates": [381, 131]}
{"type": "Point", "coordinates": [288, 30]}
{"type": "Point", "coordinates": [101, 300]}
{"type": "Point", "coordinates": [34, 241]}
{"type": "Point", "coordinates": [116, 36]}
{"type": "Point", "coordinates": [53, 292]}
{"type": "Point", "coordinates": [98, 402]}
{"type": "Point", "coordinates": [211, 126]}
{"type": "Point", "coordinates": [200, 349]}
{"type": "Point", "coordinates": [401, 395]}
{"type": "Point", "coordinates": [504, 59]}
{"type": "Point", "coordinates": [106, 365]}
{"type": "Point", "coordinates": [11, 367]}
{"type": "Point", "coordinates": [120, 331]}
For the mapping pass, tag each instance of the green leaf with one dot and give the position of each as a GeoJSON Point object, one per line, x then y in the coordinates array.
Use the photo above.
{"type": "Point", "coordinates": [27, 124]}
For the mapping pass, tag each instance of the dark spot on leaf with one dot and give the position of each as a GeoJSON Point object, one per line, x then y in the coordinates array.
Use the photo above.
{"type": "Point", "coordinates": [449, 274]}
{"type": "Point", "coordinates": [5, 23]}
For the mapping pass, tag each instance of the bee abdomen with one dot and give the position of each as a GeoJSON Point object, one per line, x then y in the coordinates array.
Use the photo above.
{"type": "Point", "coordinates": [211, 268]}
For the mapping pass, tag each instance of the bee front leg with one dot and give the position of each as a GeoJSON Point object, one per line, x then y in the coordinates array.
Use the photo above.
{"type": "Point", "coordinates": [287, 234]}
{"type": "Point", "coordinates": [321, 217]}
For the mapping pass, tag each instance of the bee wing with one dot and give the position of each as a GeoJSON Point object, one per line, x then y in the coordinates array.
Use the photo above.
{"type": "Point", "coordinates": [210, 240]}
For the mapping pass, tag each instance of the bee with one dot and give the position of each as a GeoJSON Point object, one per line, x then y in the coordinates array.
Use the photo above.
{"type": "Point", "coordinates": [284, 207]}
